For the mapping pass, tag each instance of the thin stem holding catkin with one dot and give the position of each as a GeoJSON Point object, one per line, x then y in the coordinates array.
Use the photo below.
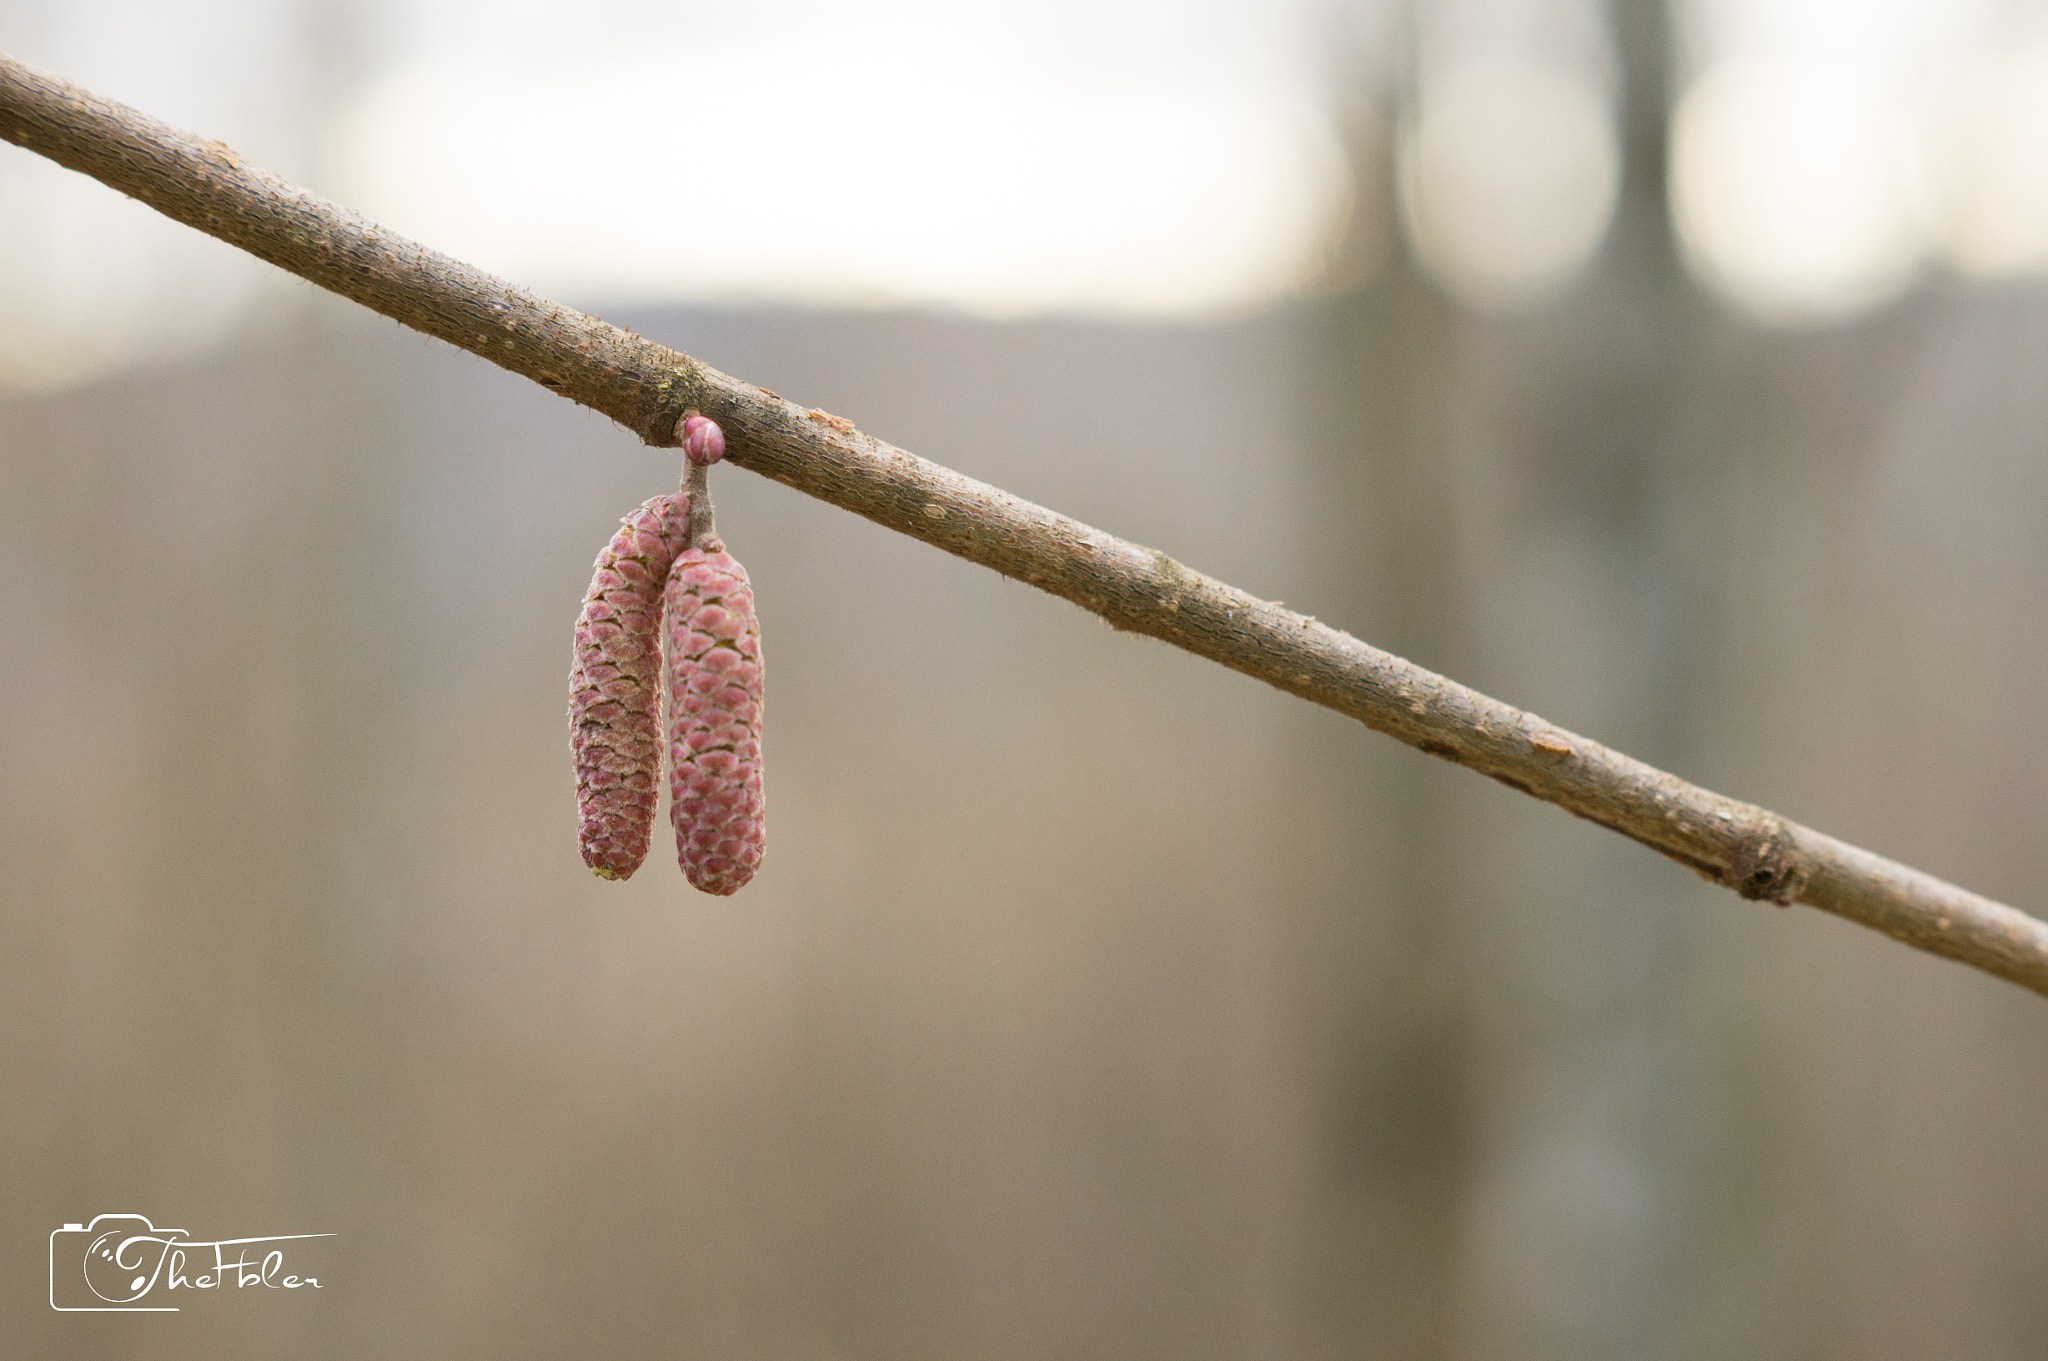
{"type": "Point", "coordinates": [703, 532]}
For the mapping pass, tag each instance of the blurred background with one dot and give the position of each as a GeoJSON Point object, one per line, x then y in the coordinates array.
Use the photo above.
{"type": "Point", "coordinates": [1671, 371]}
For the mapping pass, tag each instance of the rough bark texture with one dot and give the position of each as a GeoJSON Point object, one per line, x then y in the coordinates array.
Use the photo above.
{"type": "Point", "coordinates": [648, 387]}
{"type": "Point", "coordinates": [615, 688]}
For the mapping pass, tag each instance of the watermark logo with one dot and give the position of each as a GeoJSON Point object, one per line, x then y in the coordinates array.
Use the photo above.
{"type": "Point", "coordinates": [125, 1262]}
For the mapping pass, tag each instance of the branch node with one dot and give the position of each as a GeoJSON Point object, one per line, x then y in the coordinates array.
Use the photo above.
{"type": "Point", "coordinates": [1767, 865]}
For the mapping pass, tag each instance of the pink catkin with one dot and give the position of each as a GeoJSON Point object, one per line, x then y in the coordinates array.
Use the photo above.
{"type": "Point", "coordinates": [714, 696]}
{"type": "Point", "coordinates": [614, 688]}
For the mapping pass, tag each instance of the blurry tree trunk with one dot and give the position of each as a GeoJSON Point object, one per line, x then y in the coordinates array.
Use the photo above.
{"type": "Point", "coordinates": [1440, 476]}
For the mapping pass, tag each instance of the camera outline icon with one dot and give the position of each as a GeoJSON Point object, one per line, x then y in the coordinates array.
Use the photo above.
{"type": "Point", "coordinates": [118, 1260]}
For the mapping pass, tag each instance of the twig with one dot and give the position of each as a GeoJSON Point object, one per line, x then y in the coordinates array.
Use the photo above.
{"type": "Point", "coordinates": [647, 387]}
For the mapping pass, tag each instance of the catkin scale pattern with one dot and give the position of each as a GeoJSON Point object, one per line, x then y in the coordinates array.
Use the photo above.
{"type": "Point", "coordinates": [715, 707]}
{"type": "Point", "coordinates": [614, 688]}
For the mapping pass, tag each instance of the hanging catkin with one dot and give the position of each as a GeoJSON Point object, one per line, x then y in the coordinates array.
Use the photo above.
{"type": "Point", "coordinates": [614, 679]}
{"type": "Point", "coordinates": [714, 695]}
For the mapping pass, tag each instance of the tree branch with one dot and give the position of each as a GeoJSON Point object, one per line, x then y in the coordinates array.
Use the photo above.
{"type": "Point", "coordinates": [647, 388]}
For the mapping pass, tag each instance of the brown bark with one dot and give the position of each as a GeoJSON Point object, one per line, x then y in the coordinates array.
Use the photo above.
{"type": "Point", "coordinates": [647, 387]}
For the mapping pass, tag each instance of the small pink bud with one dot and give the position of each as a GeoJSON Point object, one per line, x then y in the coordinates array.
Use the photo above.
{"type": "Point", "coordinates": [703, 441]}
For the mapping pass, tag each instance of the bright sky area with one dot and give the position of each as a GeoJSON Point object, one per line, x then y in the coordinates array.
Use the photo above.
{"type": "Point", "coordinates": [1114, 158]}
